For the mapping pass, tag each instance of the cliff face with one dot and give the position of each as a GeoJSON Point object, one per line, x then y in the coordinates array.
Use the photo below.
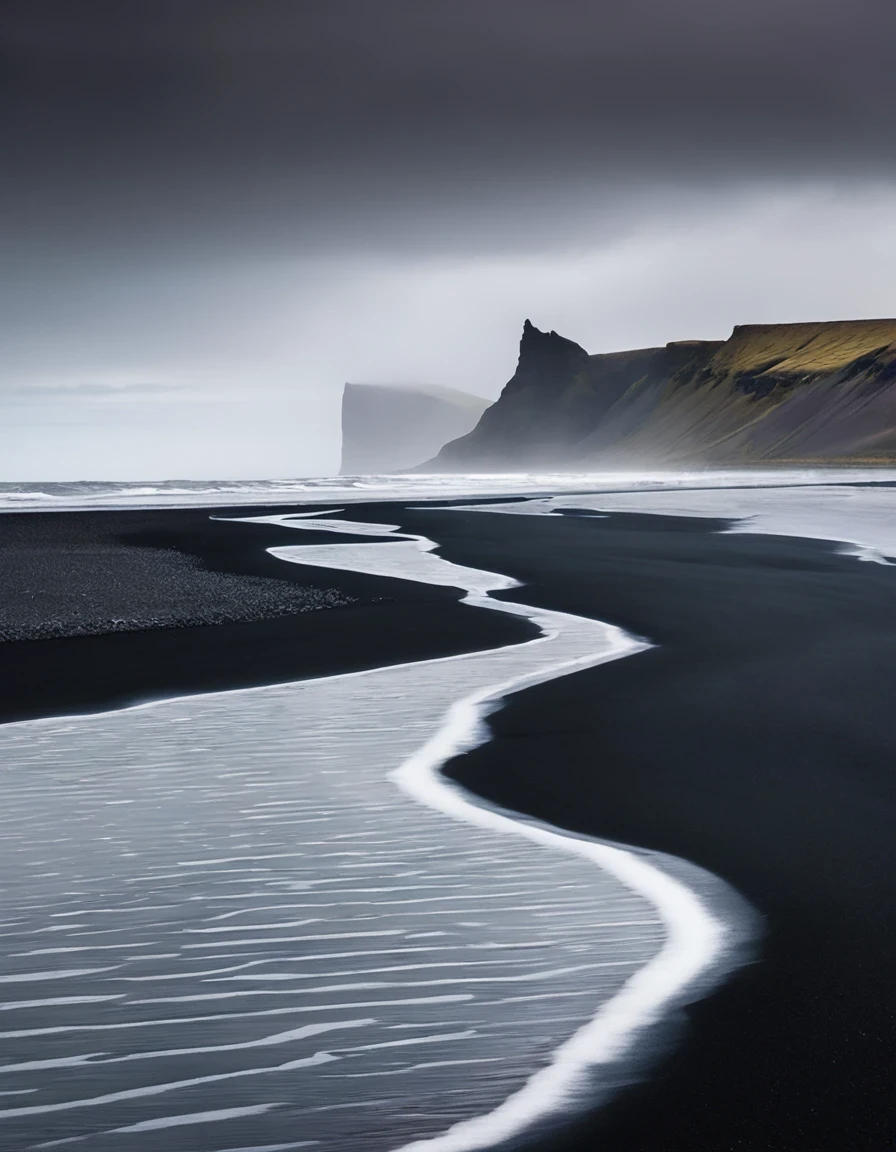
{"type": "Point", "coordinates": [771, 392]}
{"type": "Point", "coordinates": [387, 429]}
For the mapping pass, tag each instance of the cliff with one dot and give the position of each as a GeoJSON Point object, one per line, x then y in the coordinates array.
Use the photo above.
{"type": "Point", "coordinates": [388, 428]}
{"type": "Point", "coordinates": [799, 393]}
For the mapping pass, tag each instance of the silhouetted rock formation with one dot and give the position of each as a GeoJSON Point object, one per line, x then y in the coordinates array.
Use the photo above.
{"type": "Point", "coordinates": [811, 393]}
{"type": "Point", "coordinates": [388, 428]}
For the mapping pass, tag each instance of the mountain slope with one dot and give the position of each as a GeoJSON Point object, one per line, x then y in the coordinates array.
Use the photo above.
{"type": "Point", "coordinates": [771, 392]}
{"type": "Point", "coordinates": [386, 428]}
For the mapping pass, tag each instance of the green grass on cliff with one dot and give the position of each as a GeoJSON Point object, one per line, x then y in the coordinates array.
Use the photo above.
{"type": "Point", "coordinates": [800, 350]}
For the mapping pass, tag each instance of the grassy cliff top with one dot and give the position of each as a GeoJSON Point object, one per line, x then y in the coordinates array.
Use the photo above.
{"type": "Point", "coordinates": [801, 349]}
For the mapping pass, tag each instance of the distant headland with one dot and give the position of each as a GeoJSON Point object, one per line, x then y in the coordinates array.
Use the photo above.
{"type": "Point", "coordinates": [808, 393]}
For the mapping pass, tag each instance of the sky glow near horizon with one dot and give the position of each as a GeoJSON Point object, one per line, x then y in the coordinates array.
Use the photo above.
{"type": "Point", "coordinates": [187, 297]}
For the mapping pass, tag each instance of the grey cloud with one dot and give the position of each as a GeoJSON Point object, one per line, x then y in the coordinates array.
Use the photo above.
{"type": "Point", "coordinates": [259, 199]}
{"type": "Point", "coordinates": [102, 391]}
{"type": "Point", "coordinates": [352, 122]}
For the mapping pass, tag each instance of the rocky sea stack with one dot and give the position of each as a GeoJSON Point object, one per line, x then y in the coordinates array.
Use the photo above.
{"type": "Point", "coordinates": [389, 428]}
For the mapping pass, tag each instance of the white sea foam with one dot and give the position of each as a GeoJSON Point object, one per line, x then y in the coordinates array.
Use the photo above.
{"type": "Point", "coordinates": [57, 974]}
{"type": "Point", "coordinates": [213, 1117]}
{"type": "Point", "coordinates": [416, 486]}
{"type": "Point", "coordinates": [159, 1089]}
{"type": "Point", "coordinates": [274, 1147]}
{"type": "Point", "coordinates": [319, 753]}
{"type": "Point", "coordinates": [862, 518]}
{"type": "Point", "coordinates": [696, 936]}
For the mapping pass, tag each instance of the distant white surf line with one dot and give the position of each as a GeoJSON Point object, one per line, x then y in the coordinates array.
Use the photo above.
{"type": "Point", "coordinates": [861, 519]}
{"type": "Point", "coordinates": [87, 494]}
{"type": "Point", "coordinates": [697, 939]}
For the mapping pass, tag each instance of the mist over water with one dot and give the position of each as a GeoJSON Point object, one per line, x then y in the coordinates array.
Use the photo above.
{"type": "Point", "coordinates": [88, 494]}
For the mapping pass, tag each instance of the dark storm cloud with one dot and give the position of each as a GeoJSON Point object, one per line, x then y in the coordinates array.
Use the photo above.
{"type": "Point", "coordinates": [349, 122]}
{"type": "Point", "coordinates": [248, 202]}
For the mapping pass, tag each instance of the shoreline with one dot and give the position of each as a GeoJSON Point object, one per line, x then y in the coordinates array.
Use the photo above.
{"type": "Point", "coordinates": [733, 744]}
{"type": "Point", "coordinates": [389, 622]}
{"type": "Point", "coordinates": [694, 944]}
{"type": "Point", "coordinates": [88, 496]}
{"type": "Point", "coordinates": [774, 658]}
{"type": "Point", "coordinates": [699, 947]}
{"type": "Point", "coordinates": [710, 931]}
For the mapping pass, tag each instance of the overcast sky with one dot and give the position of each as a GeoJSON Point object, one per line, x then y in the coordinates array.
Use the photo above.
{"type": "Point", "coordinates": [215, 212]}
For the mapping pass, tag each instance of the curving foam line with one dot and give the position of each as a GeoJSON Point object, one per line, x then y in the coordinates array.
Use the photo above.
{"type": "Point", "coordinates": [696, 938]}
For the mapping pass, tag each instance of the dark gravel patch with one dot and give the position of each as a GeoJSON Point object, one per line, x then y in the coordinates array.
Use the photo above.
{"type": "Point", "coordinates": [122, 599]}
{"type": "Point", "coordinates": [95, 588]}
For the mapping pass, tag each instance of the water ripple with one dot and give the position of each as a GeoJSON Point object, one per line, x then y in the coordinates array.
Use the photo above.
{"type": "Point", "coordinates": [128, 837]}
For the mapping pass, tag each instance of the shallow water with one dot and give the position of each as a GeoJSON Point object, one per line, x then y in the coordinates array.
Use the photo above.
{"type": "Point", "coordinates": [227, 924]}
{"type": "Point", "coordinates": [859, 517]}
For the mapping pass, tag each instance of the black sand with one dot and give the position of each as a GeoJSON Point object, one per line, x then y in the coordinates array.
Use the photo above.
{"type": "Point", "coordinates": [75, 577]}
{"type": "Point", "coordinates": [263, 621]}
{"type": "Point", "coordinates": [757, 740]}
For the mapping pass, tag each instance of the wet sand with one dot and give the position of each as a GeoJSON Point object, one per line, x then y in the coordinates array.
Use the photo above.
{"type": "Point", "coordinates": [376, 621]}
{"type": "Point", "coordinates": [756, 740]}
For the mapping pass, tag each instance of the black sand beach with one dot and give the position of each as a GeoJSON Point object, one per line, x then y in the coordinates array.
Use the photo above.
{"type": "Point", "coordinates": [293, 634]}
{"type": "Point", "coordinates": [756, 740]}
